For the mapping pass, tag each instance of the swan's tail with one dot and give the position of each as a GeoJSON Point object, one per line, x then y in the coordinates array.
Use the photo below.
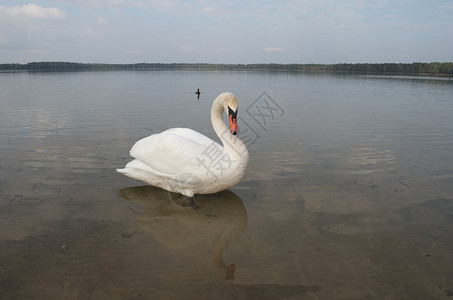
{"type": "Point", "coordinates": [134, 169]}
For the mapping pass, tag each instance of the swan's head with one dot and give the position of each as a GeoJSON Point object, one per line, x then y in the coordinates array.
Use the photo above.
{"type": "Point", "coordinates": [231, 108]}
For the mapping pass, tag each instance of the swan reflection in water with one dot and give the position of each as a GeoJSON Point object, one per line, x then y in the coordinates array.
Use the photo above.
{"type": "Point", "coordinates": [221, 216]}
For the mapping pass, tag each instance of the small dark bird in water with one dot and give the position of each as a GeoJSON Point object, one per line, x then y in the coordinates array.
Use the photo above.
{"type": "Point", "coordinates": [198, 93]}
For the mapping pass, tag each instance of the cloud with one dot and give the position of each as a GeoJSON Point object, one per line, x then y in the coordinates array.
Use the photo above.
{"type": "Point", "coordinates": [88, 32]}
{"type": "Point", "coordinates": [274, 49]}
{"type": "Point", "coordinates": [102, 21]}
{"type": "Point", "coordinates": [208, 9]}
{"type": "Point", "coordinates": [32, 11]}
{"type": "Point", "coordinates": [186, 48]}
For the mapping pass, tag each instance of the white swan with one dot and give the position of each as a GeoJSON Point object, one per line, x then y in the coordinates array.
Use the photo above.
{"type": "Point", "coordinates": [184, 161]}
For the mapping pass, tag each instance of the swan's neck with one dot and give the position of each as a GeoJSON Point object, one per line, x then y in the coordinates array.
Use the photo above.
{"type": "Point", "coordinates": [231, 143]}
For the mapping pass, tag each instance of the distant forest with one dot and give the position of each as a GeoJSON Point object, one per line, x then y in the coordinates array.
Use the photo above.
{"type": "Point", "coordinates": [434, 68]}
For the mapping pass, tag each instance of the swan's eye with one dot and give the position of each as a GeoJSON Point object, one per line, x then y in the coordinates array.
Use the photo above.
{"type": "Point", "coordinates": [232, 112]}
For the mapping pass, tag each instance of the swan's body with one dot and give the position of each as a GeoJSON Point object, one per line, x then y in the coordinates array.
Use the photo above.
{"type": "Point", "coordinates": [184, 161]}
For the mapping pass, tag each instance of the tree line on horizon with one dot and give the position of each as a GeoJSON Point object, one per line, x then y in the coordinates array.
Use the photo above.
{"type": "Point", "coordinates": [433, 68]}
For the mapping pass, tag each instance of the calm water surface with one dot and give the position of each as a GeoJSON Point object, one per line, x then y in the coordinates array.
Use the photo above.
{"type": "Point", "coordinates": [348, 193]}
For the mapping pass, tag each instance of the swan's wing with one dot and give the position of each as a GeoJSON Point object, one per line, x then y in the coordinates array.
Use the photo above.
{"type": "Point", "coordinates": [173, 151]}
{"type": "Point", "coordinates": [191, 134]}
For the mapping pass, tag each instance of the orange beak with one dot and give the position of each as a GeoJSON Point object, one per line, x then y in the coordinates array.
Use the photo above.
{"type": "Point", "coordinates": [233, 124]}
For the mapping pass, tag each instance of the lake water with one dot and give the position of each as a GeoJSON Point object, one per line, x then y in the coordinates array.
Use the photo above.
{"type": "Point", "coordinates": [348, 193]}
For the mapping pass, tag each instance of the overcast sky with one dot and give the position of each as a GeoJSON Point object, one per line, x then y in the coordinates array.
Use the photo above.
{"type": "Point", "coordinates": [226, 31]}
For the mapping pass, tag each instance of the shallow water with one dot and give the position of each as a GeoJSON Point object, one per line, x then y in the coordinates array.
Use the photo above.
{"type": "Point", "coordinates": [348, 193]}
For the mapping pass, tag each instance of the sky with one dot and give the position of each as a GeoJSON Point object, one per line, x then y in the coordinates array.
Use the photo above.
{"type": "Point", "coordinates": [227, 31]}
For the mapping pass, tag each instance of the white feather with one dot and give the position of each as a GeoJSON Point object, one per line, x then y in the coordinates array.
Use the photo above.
{"type": "Point", "coordinates": [185, 161]}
